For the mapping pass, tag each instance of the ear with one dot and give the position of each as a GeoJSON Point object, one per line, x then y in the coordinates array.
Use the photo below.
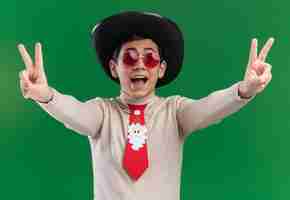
{"type": "Point", "coordinates": [162, 69]}
{"type": "Point", "coordinates": [113, 68]}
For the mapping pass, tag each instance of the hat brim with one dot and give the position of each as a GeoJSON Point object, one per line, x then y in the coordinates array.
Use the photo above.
{"type": "Point", "coordinates": [114, 30]}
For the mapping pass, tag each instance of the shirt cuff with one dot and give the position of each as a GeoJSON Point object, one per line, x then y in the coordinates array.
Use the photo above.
{"type": "Point", "coordinates": [52, 102]}
{"type": "Point", "coordinates": [235, 93]}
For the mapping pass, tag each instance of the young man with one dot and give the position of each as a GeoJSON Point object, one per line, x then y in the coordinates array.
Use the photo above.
{"type": "Point", "coordinates": [137, 137]}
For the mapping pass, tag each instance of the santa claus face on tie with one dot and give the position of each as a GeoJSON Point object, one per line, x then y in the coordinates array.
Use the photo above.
{"type": "Point", "coordinates": [137, 135]}
{"type": "Point", "coordinates": [138, 68]}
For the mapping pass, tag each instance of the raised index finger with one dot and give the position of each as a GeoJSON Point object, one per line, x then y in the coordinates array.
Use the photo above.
{"type": "Point", "coordinates": [266, 49]}
{"type": "Point", "coordinates": [38, 56]}
{"type": "Point", "coordinates": [25, 56]}
{"type": "Point", "coordinates": [253, 51]}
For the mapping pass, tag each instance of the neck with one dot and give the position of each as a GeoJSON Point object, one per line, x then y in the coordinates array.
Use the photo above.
{"type": "Point", "coordinates": [128, 99]}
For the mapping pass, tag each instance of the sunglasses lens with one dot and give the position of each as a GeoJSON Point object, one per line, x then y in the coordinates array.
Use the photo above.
{"type": "Point", "coordinates": [151, 60]}
{"type": "Point", "coordinates": [130, 59]}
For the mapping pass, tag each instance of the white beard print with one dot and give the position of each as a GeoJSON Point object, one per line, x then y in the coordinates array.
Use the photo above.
{"type": "Point", "coordinates": [137, 135]}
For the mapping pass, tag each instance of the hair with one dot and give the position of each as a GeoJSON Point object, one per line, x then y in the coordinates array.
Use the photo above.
{"type": "Point", "coordinates": [130, 39]}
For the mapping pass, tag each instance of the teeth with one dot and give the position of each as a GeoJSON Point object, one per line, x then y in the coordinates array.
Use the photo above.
{"type": "Point", "coordinates": [139, 77]}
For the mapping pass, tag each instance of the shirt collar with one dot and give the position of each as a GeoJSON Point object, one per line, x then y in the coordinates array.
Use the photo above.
{"type": "Point", "coordinates": [124, 105]}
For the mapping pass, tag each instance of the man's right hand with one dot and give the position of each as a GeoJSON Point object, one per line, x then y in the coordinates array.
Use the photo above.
{"type": "Point", "coordinates": [33, 82]}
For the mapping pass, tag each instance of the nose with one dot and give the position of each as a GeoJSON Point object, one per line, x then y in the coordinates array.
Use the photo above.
{"type": "Point", "coordinates": [139, 65]}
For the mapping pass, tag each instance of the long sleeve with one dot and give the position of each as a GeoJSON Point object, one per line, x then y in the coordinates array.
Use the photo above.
{"type": "Point", "coordinates": [84, 118]}
{"type": "Point", "coordinates": [197, 114]}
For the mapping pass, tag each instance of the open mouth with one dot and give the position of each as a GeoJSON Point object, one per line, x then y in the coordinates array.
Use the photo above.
{"type": "Point", "coordinates": [139, 80]}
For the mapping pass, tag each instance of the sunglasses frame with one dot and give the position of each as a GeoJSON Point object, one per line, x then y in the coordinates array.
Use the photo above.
{"type": "Point", "coordinates": [131, 60]}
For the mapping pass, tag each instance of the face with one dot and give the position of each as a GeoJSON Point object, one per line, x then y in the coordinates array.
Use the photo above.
{"type": "Point", "coordinates": [138, 68]}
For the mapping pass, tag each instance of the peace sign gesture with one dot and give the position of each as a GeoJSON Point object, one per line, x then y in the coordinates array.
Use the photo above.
{"type": "Point", "coordinates": [258, 73]}
{"type": "Point", "coordinates": [33, 82]}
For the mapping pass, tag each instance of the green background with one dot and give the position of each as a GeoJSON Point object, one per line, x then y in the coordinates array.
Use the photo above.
{"type": "Point", "coordinates": [244, 157]}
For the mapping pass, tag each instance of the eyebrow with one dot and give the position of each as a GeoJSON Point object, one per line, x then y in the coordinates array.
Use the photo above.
{"type": "Point", "coordinates": [130, 48]}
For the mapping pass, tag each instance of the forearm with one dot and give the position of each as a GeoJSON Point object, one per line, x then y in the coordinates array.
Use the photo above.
{"type": "Point", "coordinates": [218, 105]}
{"type": "Point", "coordinates": [78, 116]}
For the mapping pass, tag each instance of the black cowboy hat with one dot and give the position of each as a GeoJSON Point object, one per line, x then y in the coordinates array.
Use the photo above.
{"type": "Point", "coordinates": [112, 31]}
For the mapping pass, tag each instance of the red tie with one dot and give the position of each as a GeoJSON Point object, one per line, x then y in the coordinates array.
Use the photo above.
{"type": "Point", "coordinates": [135, 160]}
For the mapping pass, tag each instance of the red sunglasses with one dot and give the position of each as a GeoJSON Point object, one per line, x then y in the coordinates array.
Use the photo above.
{"type": "Point", "coordinates": [131, 57]}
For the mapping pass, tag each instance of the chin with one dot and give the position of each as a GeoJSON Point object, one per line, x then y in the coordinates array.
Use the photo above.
{"type": "Point", "coordinates": [137, 91]}
{"type": "Point", "coordinates": [139, 94]}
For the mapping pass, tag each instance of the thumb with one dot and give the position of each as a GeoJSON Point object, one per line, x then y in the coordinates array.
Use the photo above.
{"type": "Point", "coordinates": [25, 79]}
{"type": "Point", "coordinates": [254, 79]}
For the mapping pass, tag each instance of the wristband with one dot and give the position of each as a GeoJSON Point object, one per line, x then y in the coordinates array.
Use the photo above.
{"type": "Point", "coordinates": [46, 102]}
{"type": "Point", "coordinates": [241, 96]}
